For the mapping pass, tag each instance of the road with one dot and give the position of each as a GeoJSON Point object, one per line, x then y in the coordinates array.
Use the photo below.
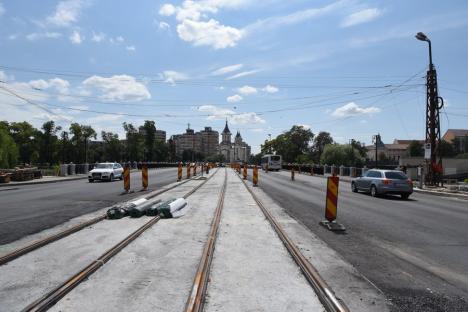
{"type": "Point", "coordinates": [32, 208]}
{"type": "Point", "coordinates": [415, 251]}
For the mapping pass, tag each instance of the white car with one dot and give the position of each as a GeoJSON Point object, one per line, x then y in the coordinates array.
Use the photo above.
{"type": "Point", "coordinates": [106, 171]}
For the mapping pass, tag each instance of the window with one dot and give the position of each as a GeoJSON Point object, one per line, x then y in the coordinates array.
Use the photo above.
{"type": "Point", "coordinates": [374, 174]}
{"type": "Point", "coordinates": [395, 175]}
{"type": "Point", "coordinates": [275, 158]}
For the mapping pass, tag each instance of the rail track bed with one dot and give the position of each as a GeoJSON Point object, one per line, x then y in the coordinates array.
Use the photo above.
{"type": "Point", "coordinates": [228, 253]}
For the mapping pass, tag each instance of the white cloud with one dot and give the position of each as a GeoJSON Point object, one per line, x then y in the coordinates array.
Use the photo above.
{"type": "Point", "coordinates": [60, 85]}
{"type": "Point", "coordinates": [352, 109]}
{"type": "Point", "coordinates": [2, 9]}
{"type": "Point", "coordinates": [75, 37]}
{"type": "Point", "coordinates": [243, 74]}
{"type": "Point", "coordinates": [164, 26]}
{"type": "Point", "coordinates": [66, 13]}
{"type": "Point", "coordinates": [234, 98]}
{"type": "Point", "coordinates": [305, 126]}
{"type": "Point", "coordinates": [227, 69]}
{"type": "Point", "coordinates": [257, 130]}
{"type": "Point", "coordinates": [45, 35]}
{"type": "Point", "coordinates": [360, 17]}
{"type": "Point", "coordinates": [270, 89]}
{"type": "Point", "coordinates": [130, 48]}
{"type": "Point", "coordinates": [167, 9]}
{"type": "Point", "coordinates": [210, 33]}
{"type": "Point", "coordinates": [171, 76]}
{"type": "Point", "coordinates": [217, 113]}
{"type": "Point", "coordinates": [120, 39]}
{"type": "Point", "coordinates": [13, 36]}
{"type": "Point", "coordinates": [4, 77]}
{"type": "Point", "coordinates": [98, 37]}
{"type": "Point", "coordinates": [247, 90]}
{"type": "Point", "coordinates": [118, 87]}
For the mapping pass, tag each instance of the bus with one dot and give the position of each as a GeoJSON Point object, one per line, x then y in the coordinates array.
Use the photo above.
{"type": "Point", "coordinates": [272, 162]}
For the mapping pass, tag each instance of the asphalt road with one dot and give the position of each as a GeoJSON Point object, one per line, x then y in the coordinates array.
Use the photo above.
{"type": "Point", "coordinates": [415, 251]}
{"type": "Point", "coordinates": [29, 209]}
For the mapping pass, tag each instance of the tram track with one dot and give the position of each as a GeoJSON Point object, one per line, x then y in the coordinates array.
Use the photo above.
{"type": "Point", "coordinates": [55, 237]}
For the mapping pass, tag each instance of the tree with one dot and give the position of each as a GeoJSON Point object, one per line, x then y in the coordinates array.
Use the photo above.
{"type": "Point", "coordinates": [149, 132]}
{"type": "Point", "coordinates": [81, 135]}
{"type": "Point", "coordinates": [134, 150]}
{"type": "Point", "coordinates": [321, 140]}
{"type": "Point", "coordinates": [415, 149]}
{"type": "Point", "coordinates": [112, 146]}
{"type": "Point", "coordinates": [447, 149]}
{"type": "Point", "coordinates": [25, 137]}
{"type": "Point", "coordinates": [360, 147]}
{"type": "Point", "coordinates": [48, 143]}
{"type": "Point", "coordinates": [338, 154]}
{"type": "Point", "coordinates": [8, 149]}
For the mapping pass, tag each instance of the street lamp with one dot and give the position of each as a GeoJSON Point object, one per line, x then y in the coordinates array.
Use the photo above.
{"type": "Point", "coordinates": [433, 104]}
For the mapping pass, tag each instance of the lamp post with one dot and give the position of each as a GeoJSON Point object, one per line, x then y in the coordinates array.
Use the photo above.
{"type": "Point", "coordinates": [269, 141]}
{"type": "Point", "coordinates": [433, 104]}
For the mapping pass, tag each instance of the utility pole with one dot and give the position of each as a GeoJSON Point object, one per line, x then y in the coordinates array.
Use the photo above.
{"type": "Point", "coordinates": [433, 104]}
{"type": "Point", "coordinates": [269, 141]}
{"type": "Point", "coordinates": [376, 140]}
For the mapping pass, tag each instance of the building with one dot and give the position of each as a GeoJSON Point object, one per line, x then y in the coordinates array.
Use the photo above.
{"type": "Point", "coordinates": [398, 149]}
{"type": "Point", "coordinates": [161, 135]}
{"type": "Point", "coordinates": [458, 137]}
{"type": "Point", "coordinates": [233, 152]}
{"type": "Point", "coordinates": [203, 143]}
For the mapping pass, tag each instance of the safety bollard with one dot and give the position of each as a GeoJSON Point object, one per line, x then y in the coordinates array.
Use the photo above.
{"type": "Point", "coordinates": [195, 170]}
{"type": "Point", "coordinates": [144, 176]}
{"type": "Point", "coordinates": [245, 172]}
{"type": "Point", "coordinates": [179, 172]}
{"type": "Point", "coordinates": [208, 168]}
{"type": "Point", "coordinates": [188, 171]}
{"type": "Point", "coordinates": [299, 169]}
{"type": "Point", "coordinates": [255, 176]}
{"type": "Point", "coordinates": [312, 170]}
{"type": "Point", "coordinates": [126, 175]}
{"type": "Point", "coordinates": [331, 205]}
{"type": "Point", "coordinates": [292, 173]}
{"type": "Point", "coordinates": [266, 168]}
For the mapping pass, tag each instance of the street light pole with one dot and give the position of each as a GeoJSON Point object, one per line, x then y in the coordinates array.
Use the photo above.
{"type": "Point", "coordinates": [433, 104]}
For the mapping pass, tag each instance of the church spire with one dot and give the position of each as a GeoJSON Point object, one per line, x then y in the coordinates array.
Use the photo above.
{"type": "Point", "coordinates": [226, 128]}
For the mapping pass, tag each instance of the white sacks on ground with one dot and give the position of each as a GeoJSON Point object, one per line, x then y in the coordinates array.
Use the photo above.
{"type": "Point", "coordinates": [173, 208]}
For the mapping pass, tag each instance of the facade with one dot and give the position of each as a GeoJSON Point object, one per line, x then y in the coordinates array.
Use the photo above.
{"type": "Point", "coordinates": [239, 151]}
{"type": "Point", "coordinates": [459, 137]}
{"type": "Point", "coordinates": [204, 142]}
{"type": "Point", "coordinates": [395, 151]}
{"type": "Point", "coordinates": [161, 135]}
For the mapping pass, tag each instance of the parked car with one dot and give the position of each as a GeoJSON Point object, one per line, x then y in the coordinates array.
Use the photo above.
{"type": "Point", "coordinates": [106, 171]}
{"type": "Point", "coordinates": [380, 182]}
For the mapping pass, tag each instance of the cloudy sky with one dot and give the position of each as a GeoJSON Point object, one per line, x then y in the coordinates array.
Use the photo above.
{"type": "Point", "coordinates": [350, 67]}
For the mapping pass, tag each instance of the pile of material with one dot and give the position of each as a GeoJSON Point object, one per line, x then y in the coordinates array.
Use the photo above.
{"type": "Point", "coordinates": [173, 208]}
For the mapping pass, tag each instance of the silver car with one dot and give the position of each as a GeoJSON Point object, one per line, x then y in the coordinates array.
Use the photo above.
{"type": "Point", "coordinates": [380, 182]}
{"type": "Point", "coordinates": [106, 171]}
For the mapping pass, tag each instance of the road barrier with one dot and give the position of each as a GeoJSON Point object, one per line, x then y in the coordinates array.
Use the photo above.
{"type": "Point", "coordinates": [255, 176]}
{"type": "Point", "coordinates": [208, 168]}
{"type": "Point", "coordinates": [144, 177]}
{"type": "Point", "coordinates": [331, 205]}
{"type": "Point", "coordinates": [179, 172]}
{"type": "Point", "coordinates": [126, 174]}
{"type": "Point", "coordinates": [195, 170]}
{"type": "Point", "coordinates": [245, 172]}
{"type": "Point", "coordinates": [188, 171]}
{"type": "Point", "coordinates": [292, 173]}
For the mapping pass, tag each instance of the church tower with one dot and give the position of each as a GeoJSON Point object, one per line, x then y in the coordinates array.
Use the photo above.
{"type": "Point", "coordinates": [226, 134]}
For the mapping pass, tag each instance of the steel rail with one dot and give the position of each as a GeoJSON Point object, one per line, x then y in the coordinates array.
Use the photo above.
{"type": "Point", "coordinates": [50, 239]}
{"type": "Point", "coordinates": [322, 289]}
{"type": "Point", "coordinates": [195, 300]}
{"type": "Point", "coordinates": [53, 296]}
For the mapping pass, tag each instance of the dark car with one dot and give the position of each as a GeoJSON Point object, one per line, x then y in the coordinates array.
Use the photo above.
{"type": "Point", "coordinates": [380, 182]}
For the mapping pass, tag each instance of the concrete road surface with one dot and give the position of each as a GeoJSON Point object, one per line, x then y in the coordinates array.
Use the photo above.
{"type": "Point", "coordinates": [415, 251]}
{"type": "Point", "coordinates": [32, 208]}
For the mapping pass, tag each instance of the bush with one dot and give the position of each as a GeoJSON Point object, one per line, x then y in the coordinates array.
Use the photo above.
{"type": "Point", "coordinates": [337, 154]}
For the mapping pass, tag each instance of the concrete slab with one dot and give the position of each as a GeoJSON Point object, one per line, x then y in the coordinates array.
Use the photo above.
{"type": "Point", "coordinates": [27, 278]}
{"type": "Point", "coordinates": [156, 271]}
{"type": "Point", "coordinates": [358, 293]}
{"type": "Point", "coordinates": [251, 268]}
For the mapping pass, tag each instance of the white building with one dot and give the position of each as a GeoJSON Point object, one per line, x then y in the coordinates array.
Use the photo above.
{"type": "Point", "coordinates": [239, 151]}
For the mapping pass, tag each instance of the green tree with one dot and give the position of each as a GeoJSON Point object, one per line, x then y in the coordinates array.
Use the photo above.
{"type": "Point", "coordinates": [415, 149]}
{"type": "Point", "coordinates": [112, 146]}
{"type": "Point", "coordinates": [8, 149]}
{"type": "Point", "coordinates": [149, 139]}
{"type": "Point", "coordinates": [338, 154]}
{"type": "Point", "coordinates": [81, 135]}
{"type": "Point", "coordinates": [321, 140]}
{"type": "Point", "coordinates": [49, 143]}
{"type": "Point", "coordinates": [26, 138]}
{"type": "Point", "coordinates": [447, 149]}
{"type": "Point", "coordinates": [360, 147]}
{"type": "Point", "coordinates": [134, 148]}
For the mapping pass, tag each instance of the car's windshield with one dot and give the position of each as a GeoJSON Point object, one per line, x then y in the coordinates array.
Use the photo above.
{"type": "Point", "coordinates": [275, 158]}
{"type": "Point", "coordinates": [395, 175]}
{"type": "Point", "coordinates": [103, 166]}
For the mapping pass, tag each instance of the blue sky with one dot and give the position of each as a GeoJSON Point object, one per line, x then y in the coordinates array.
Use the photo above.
{"type": "Point", "coordinates": [352, 68]}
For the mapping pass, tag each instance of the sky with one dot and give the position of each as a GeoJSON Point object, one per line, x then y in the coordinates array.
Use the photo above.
{"type": "Point", "coordinates": [349, 67]}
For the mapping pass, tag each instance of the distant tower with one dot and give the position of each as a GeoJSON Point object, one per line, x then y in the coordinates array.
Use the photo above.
{"type": "Point", "coordinates": [226, 134]}
{"type": "Point", "coordinates": [238, 138]}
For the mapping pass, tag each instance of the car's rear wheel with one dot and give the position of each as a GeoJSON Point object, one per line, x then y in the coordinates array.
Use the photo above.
{"type": "Point", "coordinates": [111, 177]}
{"type": "Point", "coordinates": [373, 191]}
{"type": "Point", "coordinates": [405, 196]}
{"type": "Point", "coordinates": [354, 187]}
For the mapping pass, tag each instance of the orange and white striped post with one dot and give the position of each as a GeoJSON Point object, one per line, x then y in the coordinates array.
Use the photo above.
{"type": "Point", "coordinates": [188, 171]}
{"type": "Point", "coordinates": [144, 176]}
{"type": "Point", "coordinates": [194, 169]}
{"type": "Point", "coordinates": [179, 172]}
{"type": "Point", "coordinates": [331, 205]}
{"type": "Point", "coordinates": [255, 176]}
{"type": "Point", "coordinates": [244, 173]}
{"type": "Point", "coordinates": [126, 174]}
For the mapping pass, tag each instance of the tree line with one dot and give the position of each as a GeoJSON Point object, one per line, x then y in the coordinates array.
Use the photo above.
{"type": "Point", "coordinates": [21, 143]}
{"type": "Point", "coordinates": [301, 145]}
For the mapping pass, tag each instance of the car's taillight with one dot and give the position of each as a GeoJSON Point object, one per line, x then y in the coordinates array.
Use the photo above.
{"type": "Point", "coordinates": [387, 182]}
